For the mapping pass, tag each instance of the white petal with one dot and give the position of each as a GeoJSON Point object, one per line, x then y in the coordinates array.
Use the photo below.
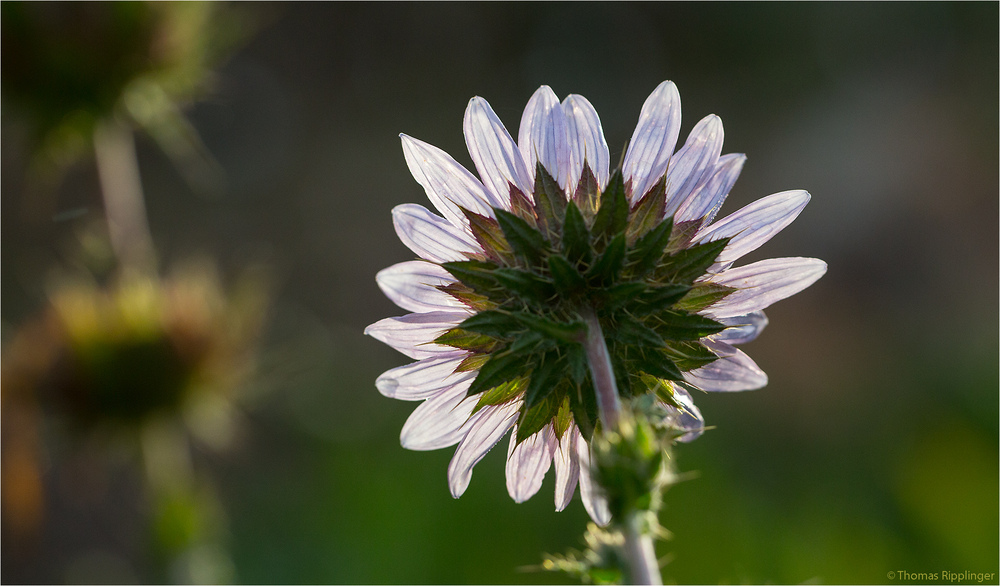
{"type": "Point", "coordinates": [448, 184]}
{"type": "Point", "coordinates": [542, 135]}
{"type": "Point", "coordinates": [486, 428]}
{"type": "Point", "coordinates": [567, 467]}
{"type": "Point", "coordinates": [528, 462]}
{"type": "Point", "coordinates": [590, 492]}
{"type": "Point", "coordinates": [413, 334]}
{"type": "Point", "coordinates": [762, 283]}
{"type": "Point", "coordinates": [438, 422]}
{"type": "Point", "coordinates": [654, 139]}
{"type": "Point", "coordinates": [422, 379]}
{"type": "Point", "coordinates": [742, 328]}
{"type": "Point", "coordinates": [753, 225]}
{"type": "Point", "coordinates": [688, 417]}
{"type": "Point", "coordinates": [431, 236]}
{"type": "Point", "coordinates": [733, 371]}
{"type": "Point", "coordinates": [497, 158]}
{"type": "Point", "coordinates": [694, 162]}
{"type": "Point", "coordinates": [707, 198]}
{"type": "Point", "coordinates": [586, 141]}
{"type": "Point", "coordinates": [412, 285]}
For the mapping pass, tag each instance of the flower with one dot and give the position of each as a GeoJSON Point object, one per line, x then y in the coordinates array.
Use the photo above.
{"type": "Point", "coordinates": [547, 231]}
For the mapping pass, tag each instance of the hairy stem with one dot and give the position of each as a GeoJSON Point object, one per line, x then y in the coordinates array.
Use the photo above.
{"type": "Point", "coordinates": [608, 403]}
{"type": "Point", "coordinates": [643, 566]}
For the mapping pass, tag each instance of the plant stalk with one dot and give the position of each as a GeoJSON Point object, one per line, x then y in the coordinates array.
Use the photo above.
{"type": "Point", "coordinates": [121, 188]}
{"type": "Point", "coordinates": [643, 565]}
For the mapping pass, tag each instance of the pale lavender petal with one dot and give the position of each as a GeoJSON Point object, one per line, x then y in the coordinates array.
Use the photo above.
{"type": "Point", "coordinates": [497, 158]}
{"type": "Point", "coordinates": [733, 371]}
{"type": "Point", "coordinates": [448, 184]}
{"type": "Point", "coordinates": [753, 225]}
{"type": "Point", "coordinates": [694, 162]}
{"type": "Point", "coordinates": [688, 417]}
{"type": "Point", "coordinates": [654, 139]}
{"type": "Point", "coordinates": [742, 328]}
{"type": "Point", "coordinates": [590, 492]}
{"type": "Point", "coordinates": [586, 140]}
{"type": "Point", "coordinates": [567, 467]}
{"type": "Point", "coordinates": [708, 197]}
{"type": "Point", "coordinates": [412, 285]}
{"type": "Point", "coordinates": [424, 378]}
{"type": "Point", "coordinates": [431, 236]}
{"type": "Point", "coordinates": [440, 421]}
{"type": "Point", "coordinates": [542, 135]}
{"type": "Point", "coordinates": [762, 283]}
{"type": "Point", "coordinates": [413, 334]}
{"type": "Point", "coordinates": [528, 462]}
{"type": "Point", "coordinates": [486, 428]}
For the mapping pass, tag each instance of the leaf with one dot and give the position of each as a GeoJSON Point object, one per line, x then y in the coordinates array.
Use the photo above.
{"type": "Point", "coordinates": [576, 237]}
{"type": "Point", "coordinates": [654, 299]}
{"type": "Point", "coordinates": [565, 276]}
{"type": "Point", "coordinates": [500, 394]}
{"type": "Point", "coordinates": [632, 332]}
{"type": "Point", "coordinates": [583, 403]}
{"type": "Point", "coordinates": [588, 192]}
{"type": "Point", "coordinates": [495, 324]}
{"type": "Point", "coordinates": [467, 296]}
{"type": "Point", "coordinates": [674, 325]}
{"type": "Point", "coordinates": [612, 215]}
{"type": "Point", "coordinates": [572, 332]}
{"type": "Point", "coordinates": [703, 295]}
{"type": "Point", "coordinates": [576, 361]}
{"type": "Point", "coordinates": [550, 202]}
{"type": "Point", "coordinates": [622, 294]}
{"type": "Point", "coordinates": [475, 274]}
{"type": "Point", "coordinates": [657, 364]}
{"type": "Point", "coordinates": [500, 368]}
{"type": "Point", "coordinates": [533, 419]}
{"type": "Point", "coordinates": [466, 340]}
{"type": "Point", "coordinates": [649, 249]}
{"type": "Point", "coordinates": [648, 211]}
{"type": "Point", "coordinates": [487, 233]}
{"type": "Point", "coordinates": [527, 242]}
{"type": "Point", "coordinates": [563, 418]}
{"type": "Point", "coordinates": [689, 264]}
{"type": "Point", "coordinates": [526, 285]}
{"type": "Point", "coordinates": [605, 269]}
{"type": "Point", "coordinates": [682, 234]}
{"type": "Point", "coordinates": [689, 355]}
{"type": "Point", "coordinates": [520, 205]}
{"type": "Point", "coordinates": [472, 362]}
{"type": "Point", "coordinates": [543, 378]}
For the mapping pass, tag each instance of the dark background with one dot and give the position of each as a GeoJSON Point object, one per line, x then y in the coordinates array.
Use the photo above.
{"type": "Point", "coordinates": [874, 447]}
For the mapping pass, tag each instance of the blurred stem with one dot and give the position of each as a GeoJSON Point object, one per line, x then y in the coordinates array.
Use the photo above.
{"type": "Point", "coordinates": [121, 187]}
{"type": "Point", "coordinates": [643, 565]}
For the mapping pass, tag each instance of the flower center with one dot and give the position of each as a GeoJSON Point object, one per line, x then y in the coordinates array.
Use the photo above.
{"type": "Point", "coordinates": [546, 260]}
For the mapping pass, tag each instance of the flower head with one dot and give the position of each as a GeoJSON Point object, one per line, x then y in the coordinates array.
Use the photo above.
{"type": "Point", "coordinates": [547, 232]}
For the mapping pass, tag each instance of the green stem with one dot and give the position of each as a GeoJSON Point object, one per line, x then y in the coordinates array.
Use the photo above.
{"type": "Point", "coordinates": [643, 565]}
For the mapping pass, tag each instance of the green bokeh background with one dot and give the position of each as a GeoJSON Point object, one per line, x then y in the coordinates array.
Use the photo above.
{"type": "Point", "coordinates": [873, 449]}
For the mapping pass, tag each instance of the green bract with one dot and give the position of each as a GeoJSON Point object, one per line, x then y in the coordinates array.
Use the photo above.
{"type": "Point", "coordinates": [543, 262]}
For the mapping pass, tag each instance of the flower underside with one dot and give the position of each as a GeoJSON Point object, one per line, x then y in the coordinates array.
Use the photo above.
{"type": "Point", "coordinates": [547, 260]}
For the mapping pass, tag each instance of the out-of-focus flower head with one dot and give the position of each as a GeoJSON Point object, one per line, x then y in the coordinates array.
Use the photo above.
{"type": "Point", "coordinates": [70, 65]}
